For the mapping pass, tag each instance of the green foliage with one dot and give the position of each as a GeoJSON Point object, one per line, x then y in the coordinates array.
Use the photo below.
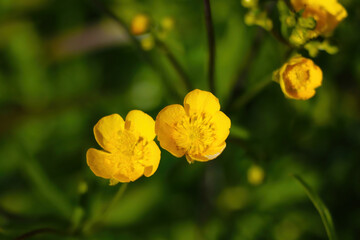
{"type": "Point", "coordinates": [320, 207]}
{"type": "Point", "coordinates": [64, 65]}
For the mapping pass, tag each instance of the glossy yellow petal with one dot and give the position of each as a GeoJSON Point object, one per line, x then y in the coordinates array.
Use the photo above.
{"type": "Point", "coordinates": [152, 159]}
{"type": "Point", "coordinates": [100, 162]}
{"type": "Point", "coordinates": [165, 128]}
{"type": "Point", "coordinates": [141, 123]}
{"type": "Point", "coordinates": [208, 155]}
{"type": "Point", "coordinates": [107, 131]}
{"type": "Point", "coordinates": [222, 126]}
{"type": "Point", "coordinates": [299, 77]}
{"type": "Point", "coordinates": [214, 152]}
{"type": "Point", "coordinates": [198, 101]}
{"type": "Point", "coordinates": [128, 171]}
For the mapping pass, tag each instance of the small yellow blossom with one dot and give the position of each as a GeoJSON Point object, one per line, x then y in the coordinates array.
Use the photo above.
{"type": "Point", "coordinates": [167, 23]}
{"type": "Point", "coordinates": [147, 42]}
{"type": "Point", "coordinates": [140, 24]}
{"type": "Point", "coordinates": [129, 148]}
{"type": "Point", "coordinates": [299, 77]}
{"type": "Point", "coordinates": [327, 13]}
{"type": "Point", "coordinates": [198, 130]}
{"type": "Point", "coordinates": [255, 175]}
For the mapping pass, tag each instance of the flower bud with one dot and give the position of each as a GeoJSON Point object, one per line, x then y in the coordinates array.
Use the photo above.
{"type": "Point", "coordinates": [327, 14]}
{"type": "Point", "coordinates": [140, 24]}
{"type": "Point", "coordinates": [299, 77]}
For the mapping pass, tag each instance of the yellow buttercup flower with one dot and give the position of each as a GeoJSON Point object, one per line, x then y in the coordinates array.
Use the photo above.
{"type": "Point", "coordinates": [299, 77]}
{"type": "Point", "coordinates": [129, 148]}
{"type": "Point", "coordinates": [198, 130]}
{"type": "Point", "coordinates": [327, 13]}
{"type": "Point", "coordinates": [140, 24]}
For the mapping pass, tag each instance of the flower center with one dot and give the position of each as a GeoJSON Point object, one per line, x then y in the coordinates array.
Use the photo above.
{"type": "Point", "coordinates": [298, 76]}
{"type": "Point", "coordinates": [195, 133]}
{"type": "Point", "coordinates": [131, 148]}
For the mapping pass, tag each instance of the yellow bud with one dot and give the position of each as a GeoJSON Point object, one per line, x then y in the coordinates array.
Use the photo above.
{"type": "Point", "coordinates": [167, 23]}
{"type": "Point", "coordinates": [327, 14]}
{"type": "Point", "coordinates": [290, 21]}
{"type": "Point", "coordinates": [299, 77]}
{"type": "Point", "coordinates": [250, 18]}
{"type": "Point", "coordinates": [147, 43]}
{"type": "Point", "coordinates": [255, 175]}
{"type": "Point", "coordinates": [308, 23]}
{"type": "Point", "coordinates": [140, 24]}
{"type": "Point", "coordinates": [83, 187]}
{"type": "Point", "coordinates": [298, 36]}
{"type": "Point", "coordinates": [249, 3]}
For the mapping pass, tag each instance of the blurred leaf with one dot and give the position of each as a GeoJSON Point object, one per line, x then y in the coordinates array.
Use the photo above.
{"type": "Point", "coordinates": [43, 184]}
{"type": "Point", "coordinates": [321, 208]}
{"type": "Point", "coordinates": [239, 132]}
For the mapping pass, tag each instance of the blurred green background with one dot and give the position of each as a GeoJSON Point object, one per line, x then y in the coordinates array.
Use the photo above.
{"type": "Point", "coordinates": [64, 65]}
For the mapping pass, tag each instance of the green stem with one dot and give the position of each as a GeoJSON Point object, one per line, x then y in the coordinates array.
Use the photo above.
{"type": "Point", "coordinates": [46, 187]}
{"type": "Point", "coordinates": [175, 63]}
{"type": "Point", "coordinates": [40, 231]}
{"type": "Point", "coordinates": [100, 6]}
{"type": "Point", "coordinates": [252, 92]}
{"type": "Point", "coordinates": [320, 207]}
{"type": "Point", "coordinates": [211, 45]}
{"type": "Point", "coordinates": [102, 216]}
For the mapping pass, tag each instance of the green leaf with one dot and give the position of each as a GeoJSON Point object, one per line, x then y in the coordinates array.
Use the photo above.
{"type": "Point", "coordinates": [239, 132]}
{"type": "Point", "coordinates": [320, 207]}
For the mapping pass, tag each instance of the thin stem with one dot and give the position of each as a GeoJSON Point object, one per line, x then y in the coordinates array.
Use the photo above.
{"type": "Point", "coordinates": [211, 45]}
{"type": "Point", "coordinates": [280, 38]}
{"type": "Point", "coordinates": [41, 231]}
{"type": "Point", "coordinates": [102, 216]}
{"type": "Point", "coordinates": [245, 68]}
{"type": "Point", "coordinates": [252, 92]}
{"type": "Point", "coordinates": [100, 6]}
{"type": "Point", "coordinates": [175, 63]}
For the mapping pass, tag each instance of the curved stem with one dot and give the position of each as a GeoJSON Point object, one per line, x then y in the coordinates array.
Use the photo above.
{"type": "Point", "coordinates": [175, 63]}
{"type": "Point", "coordinates": [41, 231]}
{"type": "Point", "coordinates": [211, 45]}
{"type": "Point", "coordinates": [101, 7]}
{"type": "Point", "coordinates": [252, 92]}
{"type": "Point", "coordinates": [102, 216]}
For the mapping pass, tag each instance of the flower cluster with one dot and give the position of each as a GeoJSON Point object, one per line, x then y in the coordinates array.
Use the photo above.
{"type": "Point", "coordinates": [197, 130]}
{"type": "Point", "coordinates": [327, 14]}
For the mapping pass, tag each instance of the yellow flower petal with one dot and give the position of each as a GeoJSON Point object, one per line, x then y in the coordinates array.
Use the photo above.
{"type": "Point", "coordinates": [100, 162]}
{"type": "Point", "coordinates": [128, 171]}
{"type": "Point", "coordinates": [198, 101]}
{"type": "Point", "coordinates": [222, 126]}
{"type": "Point", "coordinates": [214, 152]}
{"type": "Point", "coordinates": [152, 159]}
{"type": "Point", "coordinates": [107, 131]}
{"type": "Point", "coordinates": [142, 123]}
{"type": "Point", "coordinates": [327, 13]}
{"type": "Point", "coordinates": [209, 154]}
{"type": "Point", "coordinates": [165, 128]}
{"type": "Point", "coordinates": [299, 77]}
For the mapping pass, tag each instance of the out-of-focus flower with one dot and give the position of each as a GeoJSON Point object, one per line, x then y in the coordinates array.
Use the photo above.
{"type": "Point", "coordinates": [167, 23]}
{"type": "Point", "coordinates": [129, 148]}
{"type": "Point", "coordinates": [140, 24]}
{"type": "Point", "coordinates": [298, 78]}
{"type": "Point", "coordinates": [198, 130]}
{"type": "Point", "coordinates": [255, 175]}
{"type": "Point", "coordinates": [250, 3]}
{"type": "Point", "coordinates": [147, 42]}
{"type": "Point", "coordinates": [327, 13]}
